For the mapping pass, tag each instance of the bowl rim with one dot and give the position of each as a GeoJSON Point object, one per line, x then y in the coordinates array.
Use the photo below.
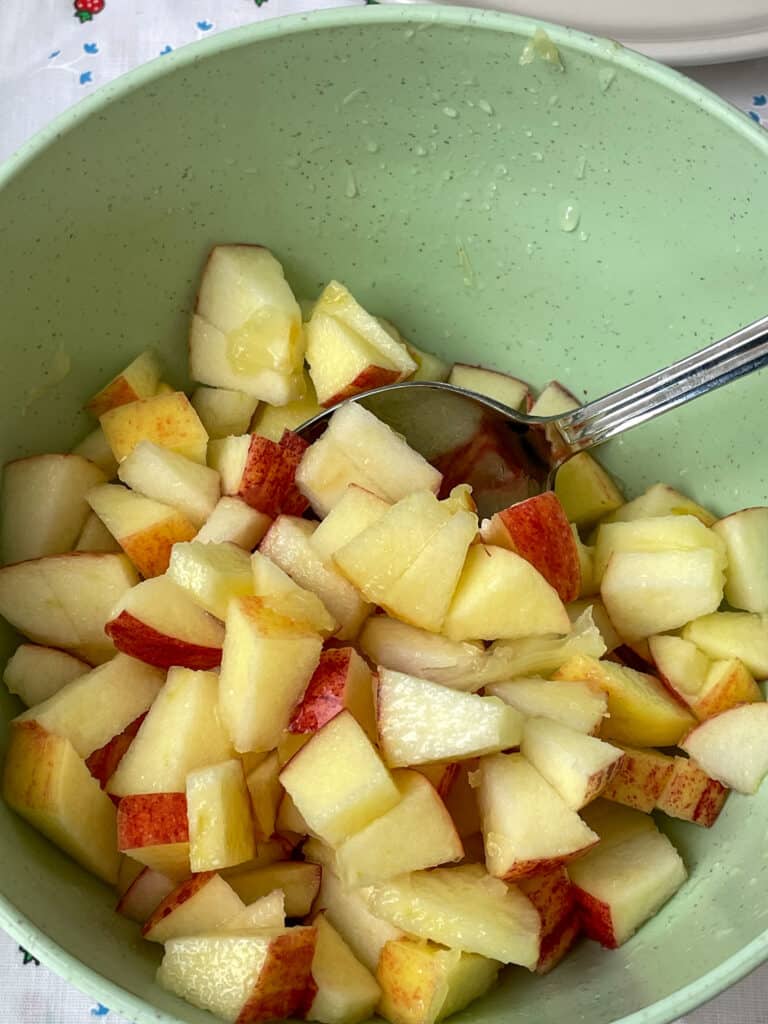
{"type": "Point", "coordinates": [12, 920]}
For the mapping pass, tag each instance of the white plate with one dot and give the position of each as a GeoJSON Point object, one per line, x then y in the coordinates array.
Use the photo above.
{"type": "Point", "coordinates": [672, 31]}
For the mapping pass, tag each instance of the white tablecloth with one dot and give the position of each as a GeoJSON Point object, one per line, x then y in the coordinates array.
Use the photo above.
{"type": "Point", "coordinates": [54, 52]}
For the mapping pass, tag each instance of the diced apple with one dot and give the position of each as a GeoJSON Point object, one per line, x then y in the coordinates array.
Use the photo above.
{"type": "Point", "coordinates": [199, 904]}
{"type": "Point", "coordinates": [95, 448]}
{"type": "Point", "coordinates": [223, 411]}
{"type": "Point", "coordinates": [691, 794]}
{"type": "Point", "coordinates": [43, 504]}
{"type": "Point", "coordinates": [732, 747]}
{"type": "Point", "coordinates": [167, 420]}
{"type": "Point", "coordinates": [380, 850]}
{"type": "Point", "coordinates": [661, 533]}
{"type": "Point", "coordinates": [348, 350]}
{"type": "Point", "coordinates": [558, 943]}
{"type": "Point", "coordinates": [164, 475]}
{"type": "Point", "coordinates": [212, 574]}
{"type": "Point", "coordinates": [278, 848]}
{"type": "Point", "coordinates": [355, 511]}
{"type": "Point", "coordinates": [500, 386]}
{"type": "Point", "coordinates": [442, 775]}
{"type": "Point", "coordinates": [288, 820]}
{"type": "Point", "coordinates": [181, 732]}
{"type": "Point", "coordinates": [138, 380]}
{"type": "Point", "coordinates": [286, 597]}
{"type": "Point", "coordinates": [660, 500]}
{"type": "Point", "coordinates": [341, 680]}
{"type": "Point", "coordinates": [708, 687]}
{"type": "Point", "coordinates": [92, 709]}
{"type": "Point", "coordinates": [615, 822]}
{"type": "Point", "coordinates": [463, 908]}
{"type": "Point", "coordinates": [268, 659]}
{"type": "Point", "coordinates": [620, 886]}
{"type": "Point", "coordinates": [209, 364]}
{"type": "Point", "coordinates": [417, 652]}
{"type": "Point", "coordinates": [421, 722]}
{"type": "Point", "coordinates": [338, 782]}
{"type": "Point", "coordinates": [554, 897]}
{"type": "Point", "coordinates": [95, 537]}
{"type": "Point", "coordinates": [586, 558]}
{"type": "Point", "coordinates": [265, 912]}
{"type": "Point", "coordinates": [585, 490]}
{"type": "Point", "coordinates": [745, 535]}
{"type": "Point", "coordinates": [221, 830]}
{"type": "Point", "coordinates": [579, 767]}
{"type": "Point", "coordinates": [342, 456]}
{"type": "Point", "coordinates": [145, 529]}
{"type": "Point", "coordinates": [145, 893]}
{"type": "Point", "coordinates": [580, 706]}
{"type": "Point", "coordinates": [36, 673]}
{"type": "Point", "coordinates": [287, 543]}
{"type": "Point", "coordinates": [428, 365]}
{"type": "Point", "coordinates": [103, 762]}
{"type": "Point", "coordinates": [233, 521]}
{"type": "Point", "coordinates": [733, 635]}
{"type": "Point", "coordinates": [651, 592]}
{"type": "Point", "coordinates": [538, 530]}
{"type": "Point", "coordinates": [554, 399]}
{"type": "Point", "coordinates": [640, 779]}
{"type": "Point", "coordinates": [46, 782]}
{"type": "Point", "coordinates": [347, 992]}
{"type": "Point", "coordinates": [641, 711]}
{"type": "Point", "coordinates": [423, 983]}
{"type": "Point", "coordinates": [527, 826]}
{"type": "Point", "coordinates": [152, 828]}
{"type": "Point", "coordinates": [265, 793]}
{"type": "Point", "coordinates": [159, 623]}
{"type": "Point", "coordinates": [299, 881]}
{"type": "Point", "coordinates": [501, 596]}
{"type": "Point", "coordinates": [260, 471]}
{"type": "Point", "coordinates": [65, 600]}
{"type": "Point", "coordinates": [273, 420]}
{"type": "Point", "coordinates": [461, 801]}
{"type": "Point", "coordinates": [290, 743]}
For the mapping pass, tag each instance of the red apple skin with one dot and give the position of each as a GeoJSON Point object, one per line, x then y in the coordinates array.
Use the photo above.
{"type": "Point", "coordinates": [558, 942]}
{"type": "Point", "coordinates": [134, 906]}
{"type": "Point", "coordinates": [183, 892]}
{"type": "Point", "coordinates": [596, 919]}
{"type": "Point", "coordinates": [285, 987]}
{"type": "Point", "coordinates": [538, 530]}
{"type": "Point", "coordinates": [371, 377]}
{"type": "Point", "coordinates": [636, 783]}
{"type": "Point", "coordinates": [103, 762]}
{"type": "Point", "coordinates": [324, 696]}
{"type": "Point", "coordinates": [152, 819]}
{"type": "Point", "coordinates": [268, 484]}
{"type": "Point", "coordinates": [132, 636]}
{"type": "Point", "coordinates": [692, 795]}
{"type": "Point", "coordinates": [552, 893]}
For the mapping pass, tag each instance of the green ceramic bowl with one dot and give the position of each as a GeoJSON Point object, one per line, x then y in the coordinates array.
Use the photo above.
{"type": "Point", "coordinates": [406, 151]}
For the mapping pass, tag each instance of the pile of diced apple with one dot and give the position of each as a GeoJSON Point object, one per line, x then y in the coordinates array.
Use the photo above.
{"type": "Point", "coordinates": [341, 747]}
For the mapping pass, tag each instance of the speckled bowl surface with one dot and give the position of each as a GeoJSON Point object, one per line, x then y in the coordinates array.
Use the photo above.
{"type": "Point", "coordinates": [406, 151]}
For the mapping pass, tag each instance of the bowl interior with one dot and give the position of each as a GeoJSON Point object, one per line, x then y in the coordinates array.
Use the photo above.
{"type": "Point", "coordinates": [407, 152]}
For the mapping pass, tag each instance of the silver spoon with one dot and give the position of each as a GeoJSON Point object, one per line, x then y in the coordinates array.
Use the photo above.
{"type": "Point", "coordinates": [507, 455]}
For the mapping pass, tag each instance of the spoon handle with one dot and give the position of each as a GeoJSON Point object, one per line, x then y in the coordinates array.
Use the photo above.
{"type": "Point", "coordinates": [742, 352]}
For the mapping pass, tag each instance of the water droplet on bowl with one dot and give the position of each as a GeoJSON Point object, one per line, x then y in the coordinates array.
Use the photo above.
{"type": "Point", "coordinates": [606, 78]}
{"type": "Point", "coordinates": [485, 106]}
{"type": "Point", "coordinates": [569, 215]}
{"type": "Point", "coordinates": [450, 112]}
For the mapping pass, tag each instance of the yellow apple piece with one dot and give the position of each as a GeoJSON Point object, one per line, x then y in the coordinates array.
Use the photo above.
{"type": "Point", "coordinates": [660, 500]}
{"type": "Point", "coordinates": [297, 880]}
{"type": "Point", "coordinates": [95, 537]}
{"type": "Point", "coordinates": [347, 992]}
{"type": "Point", "coordinates": [740, 635]}
{"type": "Point", "coordinates": [36, 673]}
{"type": "Point", "coordinates": [273, 420]}
{"type": "Point", "coordinates": [221, 832]}
{"type": "Point", "coordinates": [93, 708]}
{"type": "Point", "coordinates": [223, 411]}
{"type": "Point", "coordinates": [615, 822]}
{"type": "Point", "coordinates": [580, 706]}
{"type": "Point", "coordinates": [501, 596]}
{"type": "Point", "coordinates": [586, 491]}
{"type": "Point", "coordinates": [745, 535]}
{"type": "Point", "coordinates": [421, 722]}
{"type": "Point", "coordinates": [152, 828]}
{"type": "Point", "coordinates": [181, 732]}
{"type": "Point", "coordinates": [233, 521]}
{"type": "Point", "coordinates": [527, 826]}
{"type": "Point", "coordinates": [380, 850]}
{"type": "Point", "coordinates": [579, 767]}
{"type": "Point", "coordinates": [691, 794]}
{"type": "Point", "coordinates": [428, 365]}
{"type": "Point", "coordinates": [641, 711]}
{"type": "Point", "coordinates": [463, 908]}
{"type": "Point", "coordinates": [212, 574]}
{"type": "Point", "coordinates": [46, 782]}
{"type": "Point", "coordinates": [65, 600]}
{"type": "Point", "coordinates": [138, 380]}
{"type": "Point", "coordinates": [173, 479]}
{"type": "Point", "coordinates": [267, 661]}
{"type": "Point", "coordinates": [95, 448]}
{"type": "Point", "coordinates": [661, 533]}
{"type": "Point", "coordinates": [167, 420]}
{"type": "Point", "coordinates": [283, 595]}
{"type": "Point", "coordinates": [43, 504]}
{"type": "Point", "coordinates": [199, 904]}
{"type": "Point", "coordinates": [500, 386]}
{"type": "Point", "coordinates": [265, 792]}
{"type": "Point", "coordinates": [338, 781]}
{"type": "Point", "coordinates": [265, 912]}
{"type": "Point", "coordinates": [355, 511]}
{"type": "Point", "coordinates": [732, 746]}
{"type": "Point", "coordinates": [145, 529]}
{"type": "Point", "coordinates": [242, 977]}
{"type": "Point", "coordinates": [423, 983]}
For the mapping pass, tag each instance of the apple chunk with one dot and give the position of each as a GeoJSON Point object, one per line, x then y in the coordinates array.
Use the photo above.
{"type": "Point", "coordinates": [542, 655]}
{"type": "Point", "coordinates": [355, 511]}
{"type": "Point", "coordinates": [199, 904]}
{"type": "Point", "coordinates": [260, 471]}
{"type": "Point", "coordinates": [224, 412]}
{"type": "Point", "coordinates": [745, 534]}
{"type": "Point", "coordinates": [46, 782]}
{"type": "Point", "coordinates": [660, 500]}
{"type": "Point", "coordinates": [235, 522]}
{"type": "Point", "coordinates": [347, 993]}
{"type": "Point", "coordinates": [138, 380]}
{"type": "Point", "coordinates": [212, 574]}
{"type": "Point", "coordinates": [579, 767]}
{"type": "Point", "coordinates": [265, 912]}
{"type": "Point", "coordinates": [585, 490]}
{"type": "Point", "coordinates": [147, 890]}
{"type": "Point", "coordinates": [273, 420]}
{"type": "Point", "coordinates": [580, 706]}
{"type": "Point", "coordinates": [732, 747]}
{"type": "Point", "coordinates": [35, 673]}
{"type": "Point", "coordinates": [242, 977]}
{"type": "Point", "coordinates": [286, 597]}
{"type": "Point", "coordinates": [152, 828]}
{"type": "Point", "coordinates": [707, 687]}
{"type": "Point", "coordinates": [733, 635]}
{"type": "Point", "coordinates": [421, 722]}
{"type": "Point", "coordinates": [219, 813]}
{"type": "Point", "coordinates": [167, 420]}
{"type": "Point", "coordinates": [491, 383]}
{"type": "Point", "coordinates": [299, 882]}
{"type": "Point", "coordinates": [341, 680]}
{"type": "Point", "coordinates": [691, 794]}
{"type": "Point", "coordinates": [159, 623]}
{"type": "Point", "coordinates": [338, 781]}
{"type": "Point", "coordinates": [165, 476]}
{"type": "Point", "coordinates": [527, 826]}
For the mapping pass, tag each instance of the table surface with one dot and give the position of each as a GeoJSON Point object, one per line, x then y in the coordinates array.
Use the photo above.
{"type": "Point", "coordinates": [49, 59]}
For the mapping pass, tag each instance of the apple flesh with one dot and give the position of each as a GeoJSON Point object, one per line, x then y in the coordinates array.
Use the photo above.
{"type": "Point", "coordinates": [165, 476]}
{"type": "Point", "coordinates": [553, 896]}
{"type": "Point", "coordinates": [199, 904]}
{"type": "Point", "coordinates": [36, 673]}
{"type": "Point", "coordinates": [586, 491]}
{"type": "Point", "coordinates": [167, 420]}
{"type": "Point", "coordinates": [265, 912]}
{"type": "Point", "coordinates": [283, 595]}
{"type": "Point", "coordinates": [95, 537]}
{"type": "Point", "coordinates": [745, 535]}
{"type": "Point", "coordinates": [221, 832]}
{"type": "Point", "coordinates": [211, 574]}
{"type": "Point", "coordinates": [95, 448]}
{"type": "Point", "coordinates": [732, 747]}
{"type": "Point", "coordinates": [160, 624]}
{"type": "Point", "coordinates": [428, 365]}
{"type": "Point", "coordinates": [103, 762]}
{"type": "Point", "coordinates": [739, 635]}
{"type": "Point", "coordinates": [152, 828]}
{"type": "Point", "coordinates": [342, 680]}
{"type": "Point", "coordinates": [640, 779]}
{"type": "Point", "coordinates": [224, 412]}
{"type": "Point", "coordinates": [260, 471]}
{"type": "Point", "coordinates": [661, 533]}
{"type": "Point", "coordinates": [355, 511]}
{"type": "Point", "coordinates": [233, 521]}
{"type": "Point", "coordinates": [138, 380]}
{"type": "Point", "coordinates": [579, 767]}
{"type": "Point", "coordinates": [144, 894]}
{"type": "Point", "coordinates": [578, 705]}
{"type": "Point", "coordinates": [691, 794]}
{"type": "Point", "coordinates": [273, 420]}
{"type": "Point", "coordinates": [347, 992]}
{"type": "Point", "coordinates": [298, 881]}
{"type": "Point", "coordinates": [500, 386]}
{"type": "Point", "coordinates": [660, 500]}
